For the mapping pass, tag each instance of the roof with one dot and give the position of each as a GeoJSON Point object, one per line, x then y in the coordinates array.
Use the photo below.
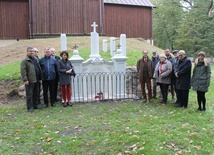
{"type": "Point", "coordinates": [146, 3]}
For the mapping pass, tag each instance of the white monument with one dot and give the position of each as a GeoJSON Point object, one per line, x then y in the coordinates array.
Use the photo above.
{"type": "Point", "coordinates": [123, 44]}
{"type": "Point", "coordinates": [94, 43]}
{"type": "Point", "coordinates": [63, 41]}
{"type": "Point", "coordinates": [98, 76]}
{"type": "Point", "coordinates": [105, 45]}
{"type": "Point", "coordinates": [112, 46]}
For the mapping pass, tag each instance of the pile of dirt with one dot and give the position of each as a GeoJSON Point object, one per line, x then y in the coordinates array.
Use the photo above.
{"type": "Point", "coordinates": [9, 91]}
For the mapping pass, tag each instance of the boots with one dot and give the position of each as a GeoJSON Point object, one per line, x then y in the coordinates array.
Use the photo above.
{"type": "Point", "coordinates": [204, 106]}
{"type": "Point", "coordinates": [199, 107]}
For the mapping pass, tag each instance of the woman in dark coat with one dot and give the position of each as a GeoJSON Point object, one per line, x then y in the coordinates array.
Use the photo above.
{"type": "Point", "coordinates": [65, 69]}
{"type": "Point", "coordinates": [201, 79]}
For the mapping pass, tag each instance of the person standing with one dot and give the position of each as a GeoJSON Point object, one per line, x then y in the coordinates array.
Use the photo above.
{"type": "Point", "coordinates": [183, 78]}
{"type": "Point", "coordinates": [36, 51]}
{"type": "Point", "coordinates": [201, 79]}
{"type": "Point", "coordinates": [31, 74]}
{"type": "Point", "coordinates": [171, 59]}
{"type": "Point", "coordinates": [176, 60]}
{"type": "Point", "coordinates": [145, 71]}
{"type": "Point", "coordinates": [56, 82]}
{"type": "Point", "coordinates": [49, 67]}
{"type": "Point", "coordinates": [162, 75]}
{"type": "Point", "coordinates": [155, 60]}
{"type": "Point", "coordinates": [65, 69]}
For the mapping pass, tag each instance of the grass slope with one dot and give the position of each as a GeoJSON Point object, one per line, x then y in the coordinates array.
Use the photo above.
{"type": "Point", "coordinates": [12, 55]}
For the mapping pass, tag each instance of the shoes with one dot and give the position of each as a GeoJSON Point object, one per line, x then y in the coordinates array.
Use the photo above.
{"type": "Point", "coordinates": [45, 105]}
{"type": "Point", "coordinates": [173, 98]}
{"type": "Point", "coordinates": [30, 110]}
{"type": "Point", "coordinates": [150, 100]}
{"type": "Point", "coordinates": [199, 108]}
{"type": "Point", "coordinates": [154, 97]}
{"type": "Point", "coordinates": [70, 104]}
{"type": "Point", "coordinates": [144, 101]}
{"type": "Point", "coordinates": [53, 105]}
{"type": "Point", "coordinates": [204, 109]}
{"type": "Point", "coordinates": [64, 104]}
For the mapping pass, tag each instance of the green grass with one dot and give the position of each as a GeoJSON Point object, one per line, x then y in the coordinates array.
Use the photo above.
{"type": "Point", "coordinates": [109, 128]}
{"type": "Point", "coordinates": [10, 71]}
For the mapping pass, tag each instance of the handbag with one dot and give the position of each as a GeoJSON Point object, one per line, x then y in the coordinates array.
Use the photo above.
{"type": "Point", "coordinates": [73, 73]}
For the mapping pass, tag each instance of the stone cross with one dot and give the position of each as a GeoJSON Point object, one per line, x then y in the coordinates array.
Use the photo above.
{"type": "Point", "coordinates": [75, 47]}
{"type": "Point", "coordinates": [94, 25]}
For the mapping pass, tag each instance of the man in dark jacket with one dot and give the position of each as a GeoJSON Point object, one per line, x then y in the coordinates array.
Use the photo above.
{"type": "Point", "coordinates": [176, 60]}
{"type": "Point", "coordinates": [155, 60]}
{"type": "Point", "coordinates": [56, 82]}
{"type": "Point", "coordinates": [183, 77]}
{"type": "Point", "coordinates": [49, 67]}
{"type": "Point", "coordinates": [31, 73]}
{"type": "Point", "coordinates": [145, 73]}
{"type": "Point", "coordinates": [172, 60]}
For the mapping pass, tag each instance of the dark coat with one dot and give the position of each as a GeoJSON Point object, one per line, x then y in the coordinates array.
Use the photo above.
{"type": "Point", "coordinates": [49, 67]}
{"type": "Point", "coordinates": [201, 76]}
{"type": "Point", "coordinates": [63, 66]}
{"type": "Point", "coordinates": [141, 67]}
{"type": "Point", "coordinates": [184, 74]}
{"type": "Point", "coordinates": [28, 72]}
{"type": "Point", "coordinates": [155, 61]}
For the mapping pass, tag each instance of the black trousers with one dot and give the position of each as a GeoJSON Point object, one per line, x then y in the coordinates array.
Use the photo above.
{"type": "Point", "coordinates": [32, 91]}
{"type": "Point", "coordinates": [164, 91]}
{"type": "Point", "coordinates": [56, 82]}
{"type": "Point", "coordinates": [182, 97]}
{"type": "Point", "coordinates": [201, 98]}
{"type": "Point", "coordinates": [48, 85]}
{"type": "Point", "coordinates": [173, 85]}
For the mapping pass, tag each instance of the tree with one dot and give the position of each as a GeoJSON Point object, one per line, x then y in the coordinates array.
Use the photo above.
{"type": "Point", "coordinates": [196, 31]}
{"type": "Point", "coordinates": [184, 24]}
{"type": "Point", "coordinates": [167, 16]}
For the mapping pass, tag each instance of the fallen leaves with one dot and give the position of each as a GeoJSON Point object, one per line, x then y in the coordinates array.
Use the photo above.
{"type": "Point", "coordinates": [197, 147]}
{"type": "Point", "coordinates": [47, 139]}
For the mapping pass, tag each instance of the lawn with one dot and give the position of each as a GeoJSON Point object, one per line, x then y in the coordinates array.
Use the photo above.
{"type": "Point", "coordinates": [126, 127]}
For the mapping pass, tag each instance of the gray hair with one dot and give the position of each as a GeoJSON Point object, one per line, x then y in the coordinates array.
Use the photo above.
{"type": "Point", "coordinates": [181, 52]}
{"type": "Point", "coordinates": [29, 48]}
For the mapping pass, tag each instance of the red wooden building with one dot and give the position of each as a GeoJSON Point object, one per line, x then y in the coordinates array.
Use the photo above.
{"type": "Point", "coordinates": [45, 18]}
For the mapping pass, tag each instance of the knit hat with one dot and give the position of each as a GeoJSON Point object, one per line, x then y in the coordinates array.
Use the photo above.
{"type": "Point", "coordinates": [202, 54]}
{"type": "Point", "coordinates": [175, 51]}
{"type": "Point", "coordinates": [162, 56]}
{"type": "Point", "coordinates": [154, 51]}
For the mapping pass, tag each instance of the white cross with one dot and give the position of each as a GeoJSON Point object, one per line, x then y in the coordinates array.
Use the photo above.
{"type": "Point", "coordinates": [94, 25]}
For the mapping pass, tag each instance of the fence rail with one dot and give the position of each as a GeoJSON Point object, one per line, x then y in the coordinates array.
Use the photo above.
{"type": "Point", "coordinates": [104, 86]}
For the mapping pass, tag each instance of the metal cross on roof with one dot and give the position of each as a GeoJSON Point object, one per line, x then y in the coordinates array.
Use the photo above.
{"type": "Point", "coordinates": [94, 25]}
{"type": "Point", "coordinates": [75, 47]}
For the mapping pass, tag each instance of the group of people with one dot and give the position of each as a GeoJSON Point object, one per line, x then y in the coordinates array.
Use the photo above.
{"type": "Point", "coordinates": [174, 70]}
{"type": "Point", "coordinates": [51, 70]}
